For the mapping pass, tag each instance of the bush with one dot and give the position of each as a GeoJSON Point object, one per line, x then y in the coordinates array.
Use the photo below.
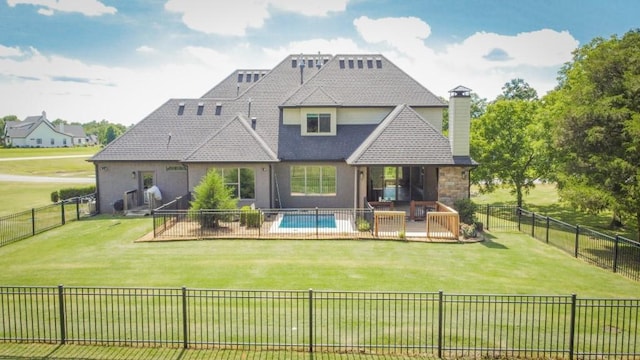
{"type": "Point", "coordinates": [468, 231]}
{"type": "Point", "coordinates": [212, 194]}
{"type": "Point", "coordinates": [467, 210]}
{"type": "Point", "coordinates": [251, 217]}
{"type": "Point", "coordinates": [70, 193]}
{"type": "Point", "coordinates": [362, 224]}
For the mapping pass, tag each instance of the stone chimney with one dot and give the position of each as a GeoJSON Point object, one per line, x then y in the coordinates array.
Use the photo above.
{"type": "Point", "coordinates": [459, 120]}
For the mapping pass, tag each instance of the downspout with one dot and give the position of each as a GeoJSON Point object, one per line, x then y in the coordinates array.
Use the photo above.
{"type": "Point", "coordinates": [95, 165]}
{"type": "Point", "coordinates": [356, 187]}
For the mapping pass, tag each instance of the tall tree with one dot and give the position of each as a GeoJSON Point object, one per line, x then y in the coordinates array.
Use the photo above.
{"type": "Point", "coordinates": [518, 89]}
{"type": "Point", "coordinates": [598, 125]}
{"type": "Point", "coordinates": [3, 121]}
{"type": "Point", "coordinates": [510, 144]}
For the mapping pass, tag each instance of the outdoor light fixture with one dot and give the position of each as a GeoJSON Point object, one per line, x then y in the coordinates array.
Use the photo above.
{"type": "Point", "coordinates": [133, 174]}
{"type": "Point", "coordinates": [464, 174]}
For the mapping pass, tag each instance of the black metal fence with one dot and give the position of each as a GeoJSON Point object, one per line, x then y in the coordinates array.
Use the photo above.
{"type": "Point", "coordinates": [271, 224]}
{"type": "Point", "coordinates": [28, 223]}
{"type": "Point", "coordinates": [432, 324]}
{"type": "Point", "coordinates": [619, 254]}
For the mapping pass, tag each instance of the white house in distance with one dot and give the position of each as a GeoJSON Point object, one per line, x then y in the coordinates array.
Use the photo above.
{"type": "Point", "coordinates": [314, 131]}
{"type": "Point", "coordinates": [38, 131]}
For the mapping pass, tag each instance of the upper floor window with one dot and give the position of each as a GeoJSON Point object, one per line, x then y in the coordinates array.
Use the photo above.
{"type": "Point", "coordinates": [318, 123]}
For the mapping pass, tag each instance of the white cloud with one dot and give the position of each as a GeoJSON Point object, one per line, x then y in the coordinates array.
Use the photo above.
{"type": "Point", "coordinates": [483, 61]}
{"type": "Point", "coordinates": [9, 51]}
{"type": "Point", "coordinates": [235, 17]}
{"type": "Point", "coordinates": [145, 49]}
{"type": "Point", "coordinates": [49, 7]}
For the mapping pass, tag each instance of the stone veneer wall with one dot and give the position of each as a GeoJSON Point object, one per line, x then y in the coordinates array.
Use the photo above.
{"type": "Point", "coordinates": [452, 185]}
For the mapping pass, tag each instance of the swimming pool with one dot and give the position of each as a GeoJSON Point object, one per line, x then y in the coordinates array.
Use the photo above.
{"type": "Point", "coordinates": [308, 221]}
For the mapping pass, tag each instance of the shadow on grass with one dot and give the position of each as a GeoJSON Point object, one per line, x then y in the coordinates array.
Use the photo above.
{"type": "Point", "coordinates": [490, 243]}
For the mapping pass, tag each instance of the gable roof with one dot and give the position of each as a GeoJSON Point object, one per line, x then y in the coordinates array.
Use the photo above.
{"type": "Point", "coordinates": [246, 145]}
{"type": "Point", "coordinates": [73, 130]}
{"type": "Point", "coordinates": [22, 129]}
{"type": "Point", "coordinates": [342, 79]}
{"type": "Point", "coordinates": [403, 138]}
{"type": "Point", "coordinates": [191, 130]}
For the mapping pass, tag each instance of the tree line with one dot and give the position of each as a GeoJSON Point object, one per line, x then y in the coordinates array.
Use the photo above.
{"type": "Point", "coordinates": [584, 135]}
{"type": "Point", "coordinates": [104, 130]}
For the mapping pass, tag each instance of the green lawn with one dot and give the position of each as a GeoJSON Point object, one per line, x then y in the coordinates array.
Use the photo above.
{"type": "Point", "coordinates": [101, 252]}
{"type": "Point", "coordinates": [20, 196]}
{"type": "Point", "coordinates": [544, 199]}
{"type": "Point", "coordinates": [31, 152]}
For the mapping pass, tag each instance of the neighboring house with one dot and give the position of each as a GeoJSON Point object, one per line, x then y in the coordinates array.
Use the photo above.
{"type": "Point", "coordinates": [38, 131]}
{"type": "Point", "coordinates": [315, 131]}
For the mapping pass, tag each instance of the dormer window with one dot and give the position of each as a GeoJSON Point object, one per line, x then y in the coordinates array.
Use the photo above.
{"type": "Point", "coordinates": [200, 108]}
{"type": "Point", "coordinates": [180, 108]}
{"type": "Point", "coordinates": [240, 77]}
{"type": "Point", "coordinates": [218, 108]}
{"type": "Point", "coordinates": [318, 123]}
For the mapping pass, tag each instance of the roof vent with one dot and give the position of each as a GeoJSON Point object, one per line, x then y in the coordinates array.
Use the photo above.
{"type": "Point", "coordinates": [200, 108]}
{"type": "Point", "coordinates": [379, 63]}
{"type": "Point", "coordinates": [341, 60]}
{"type": "Point", "coordinates": [350, 63]}
{"type": "Point", "coordinates": [240, 76]}
{"type": "Point", "coordinates": [181, 108]}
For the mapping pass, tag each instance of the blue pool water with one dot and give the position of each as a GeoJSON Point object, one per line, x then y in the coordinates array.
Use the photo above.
{"type": "Point", "coordinates": [308, 221]}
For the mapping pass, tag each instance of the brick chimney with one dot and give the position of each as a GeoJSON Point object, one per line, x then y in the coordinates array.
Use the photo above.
{"type": "Point", "coordinates": [459, 120]}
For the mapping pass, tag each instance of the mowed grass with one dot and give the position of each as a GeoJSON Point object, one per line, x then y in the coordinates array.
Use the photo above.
{"type": "Point", "coordinates": [544, 200]}
{"type": "Point", "coordinates": [101, 252]}
{"type": "Point", "coordinates": [33, 152]}
{"type": "Point", "coordinates": [21, 196]}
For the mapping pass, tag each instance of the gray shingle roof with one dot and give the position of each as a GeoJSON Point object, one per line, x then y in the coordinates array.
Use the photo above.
{"type": "Point", "coordinates": [73, 130]}
{"type": "Point", "coordinates": [231, 87]}
{"type": "Point", "coordinates": [246, 145]}
{"type": "Point", "coordinates": [386, 85]}
{"type": "Point", "coordinates": [170, 135]}
{"type": "Point", "coordinates": [403, 138]}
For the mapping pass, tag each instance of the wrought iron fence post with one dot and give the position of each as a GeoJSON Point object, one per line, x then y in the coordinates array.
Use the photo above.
{"type": "Point", "coordinates": [488, 211]}
{"type": "Point", "coordinates": [572, 327]}
{"type": "Point", "coordinates": [440, 320]}
{"type": "Point", "coordinates": [63, 331]}
{"type": "Point", "coordinates": [77, 208]}
{"type": "Point", "coordinates": [62, 211]}
{"type": "Point", "coordinates": [311, 321]}
{"type": "Point", "coordinates": [533, 225]}
{"type": "Point", "coordinates": [185, 334]}
{"type": "Point", "coordinates": [33, 222]}
{"type": "Point", "coordinates": [547, 236]}
{"type": "Point", "coordinates": [519, 210]}
{"type": "Point", "coordinates": [317, 225]}
{"type": "Point", "coordinates": [575, 249]}
{"type": "Point", "coordinates": [615, 253]}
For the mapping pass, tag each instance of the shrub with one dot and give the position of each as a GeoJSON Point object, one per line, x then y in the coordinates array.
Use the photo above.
{"type": "Point", "coordinates": [362, 224]}
{"type": "Point", "coordinates": [70, 193]}
{"type": "Point", "coordinates": [467, 210]}
{"type": "Point", "coordinates": [468, 230]}
{"type": "Point", "coordinates": [212, 194]}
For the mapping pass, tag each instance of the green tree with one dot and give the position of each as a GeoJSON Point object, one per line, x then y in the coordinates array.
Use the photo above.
{"type": "Point", "coordinates": [598, 126]}
{"type": "Point", "coordinates": [518, 89]}
{"type": "Point", "coordinates": [100, 129]}
{"type": "Point", "coordinates": [511, 145]}
{"type": "Point", "coordinates": [3, 121]}
{"type": "Point", "coordinates": [212, 194]}
{"type": "Point", "coordinates": [110, 134]}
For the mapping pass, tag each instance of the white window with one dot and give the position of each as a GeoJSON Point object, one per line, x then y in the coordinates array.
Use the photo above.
{"type": "Point", "coordinates": [318, 123]}
{"type": "Point", "coordinates": [241, 181]}
{"type": "Point", "coordinates": [313, 180]}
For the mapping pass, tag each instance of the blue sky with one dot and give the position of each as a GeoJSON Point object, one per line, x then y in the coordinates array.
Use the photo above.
{"type": "Point", "coordinates": [83, 60]}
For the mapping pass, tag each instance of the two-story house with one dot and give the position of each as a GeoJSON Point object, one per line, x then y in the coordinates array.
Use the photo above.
{"type": "Point", "coordinates": [314, 131]}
